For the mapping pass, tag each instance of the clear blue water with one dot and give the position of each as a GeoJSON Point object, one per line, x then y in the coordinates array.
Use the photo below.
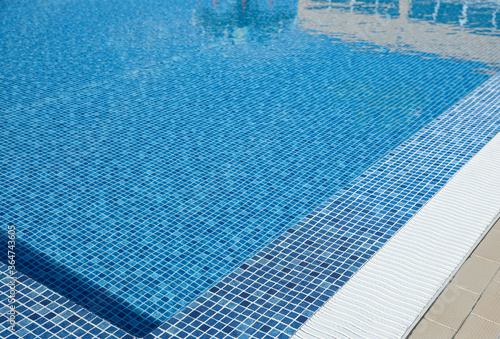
{"type": "Point", "coordinates": [150, 147]}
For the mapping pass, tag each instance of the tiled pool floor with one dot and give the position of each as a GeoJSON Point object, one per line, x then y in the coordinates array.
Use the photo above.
{"type": "Point", "coordinates": [216, 169]}
{"type": "Point", "coordinates": [44, 314]}
{"type": "Point", "coordinates": [276, 291]}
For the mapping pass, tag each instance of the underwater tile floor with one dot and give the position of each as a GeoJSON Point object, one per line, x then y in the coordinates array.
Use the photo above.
{"type": "Point", "coordinates": [209, 170]}
{"type": "Point", "coordinates": [273, 293]}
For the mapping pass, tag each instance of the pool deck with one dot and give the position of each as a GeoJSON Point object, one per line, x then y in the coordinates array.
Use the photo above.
{"type": "Point", "coordinates": [469, 307]}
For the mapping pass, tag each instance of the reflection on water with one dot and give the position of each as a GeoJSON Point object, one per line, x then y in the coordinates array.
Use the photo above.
{"type": "Point", "coordinates": [439, 27]}
{"type": "Point", "coordinates": [471, 14]}
{"type": "Point", "coordinates": [446, 29]}
{"type": "Point", "coordinates": [243, 20]}
{"type": "Point", "coordinates": [386, 8]}
{"type": "Point", "coordinates": [483, 17]}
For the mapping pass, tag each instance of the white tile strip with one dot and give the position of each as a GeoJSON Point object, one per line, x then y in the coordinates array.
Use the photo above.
{"type": "Point", "coordinates": [390, 292]}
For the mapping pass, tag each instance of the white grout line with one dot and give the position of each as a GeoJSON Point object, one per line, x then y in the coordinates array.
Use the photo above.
{"type": "Point", "coordinates": [388, 295]}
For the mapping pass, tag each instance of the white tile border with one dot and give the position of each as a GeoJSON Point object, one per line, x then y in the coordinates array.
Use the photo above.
{"type": "Point", "coordinates": [390, 293]}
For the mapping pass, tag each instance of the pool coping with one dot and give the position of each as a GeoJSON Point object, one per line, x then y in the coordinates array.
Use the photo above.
{"type": "Point", "coordinates": [459, 311]}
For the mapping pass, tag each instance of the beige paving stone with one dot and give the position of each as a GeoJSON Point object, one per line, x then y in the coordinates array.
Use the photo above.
{"type": "Point", "coordinates": [452, 306]}
{"type": "Point", "coordinates": [497, 276]}
{"type": "Point", "coordinates": [489, 247]}
{"type": "Point", "coordinates": [427, 329]}
{"type": "Point", "coordinates": [475, 274]}
{"type": "Point", "coordinates": [477, 328]}
{"type": "Point", "coordinates": [497, 225]}
{"type": "Point", "coordinates": [479, 278]}
{"type": "Point", "coordinates": [489, 304]}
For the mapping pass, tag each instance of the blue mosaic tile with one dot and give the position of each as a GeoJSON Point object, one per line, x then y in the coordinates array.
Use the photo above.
{"type": "Point", "coordinates": [41, 313]}
{"type": "Point", "coordinates": [135, 215]}
{"type": "Point", "coordinates": [90, 44]}
{"type": "Point", "coordinates": [151, 150]}
{"type": "Point", "coordinates": [283, 285]}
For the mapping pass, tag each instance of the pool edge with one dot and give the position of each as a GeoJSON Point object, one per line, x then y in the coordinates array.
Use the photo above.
{"type": "Point", "coordinates": [468, 179]}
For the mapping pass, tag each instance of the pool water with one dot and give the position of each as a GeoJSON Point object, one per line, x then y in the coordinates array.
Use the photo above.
{"type": "Point", "coordinates": [150, 147]}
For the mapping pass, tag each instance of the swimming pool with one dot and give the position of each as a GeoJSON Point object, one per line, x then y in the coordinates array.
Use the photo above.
{"type": "Point", "coordinates": [152, 148]}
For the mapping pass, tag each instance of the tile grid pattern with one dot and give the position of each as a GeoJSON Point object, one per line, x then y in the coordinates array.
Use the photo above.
{"type": "Point", "coordinates": [106, 170]}
{"type": "Point", "coordinates": [45, 314]}
{"type": "Point", "coordinates": [276, 291]}
{"type": "Point", "coordinates": [389, 293]}
{"type": "Point", "coordinates": [272, 294]}
{"type": "Point", "coordinates": [105, 157]}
